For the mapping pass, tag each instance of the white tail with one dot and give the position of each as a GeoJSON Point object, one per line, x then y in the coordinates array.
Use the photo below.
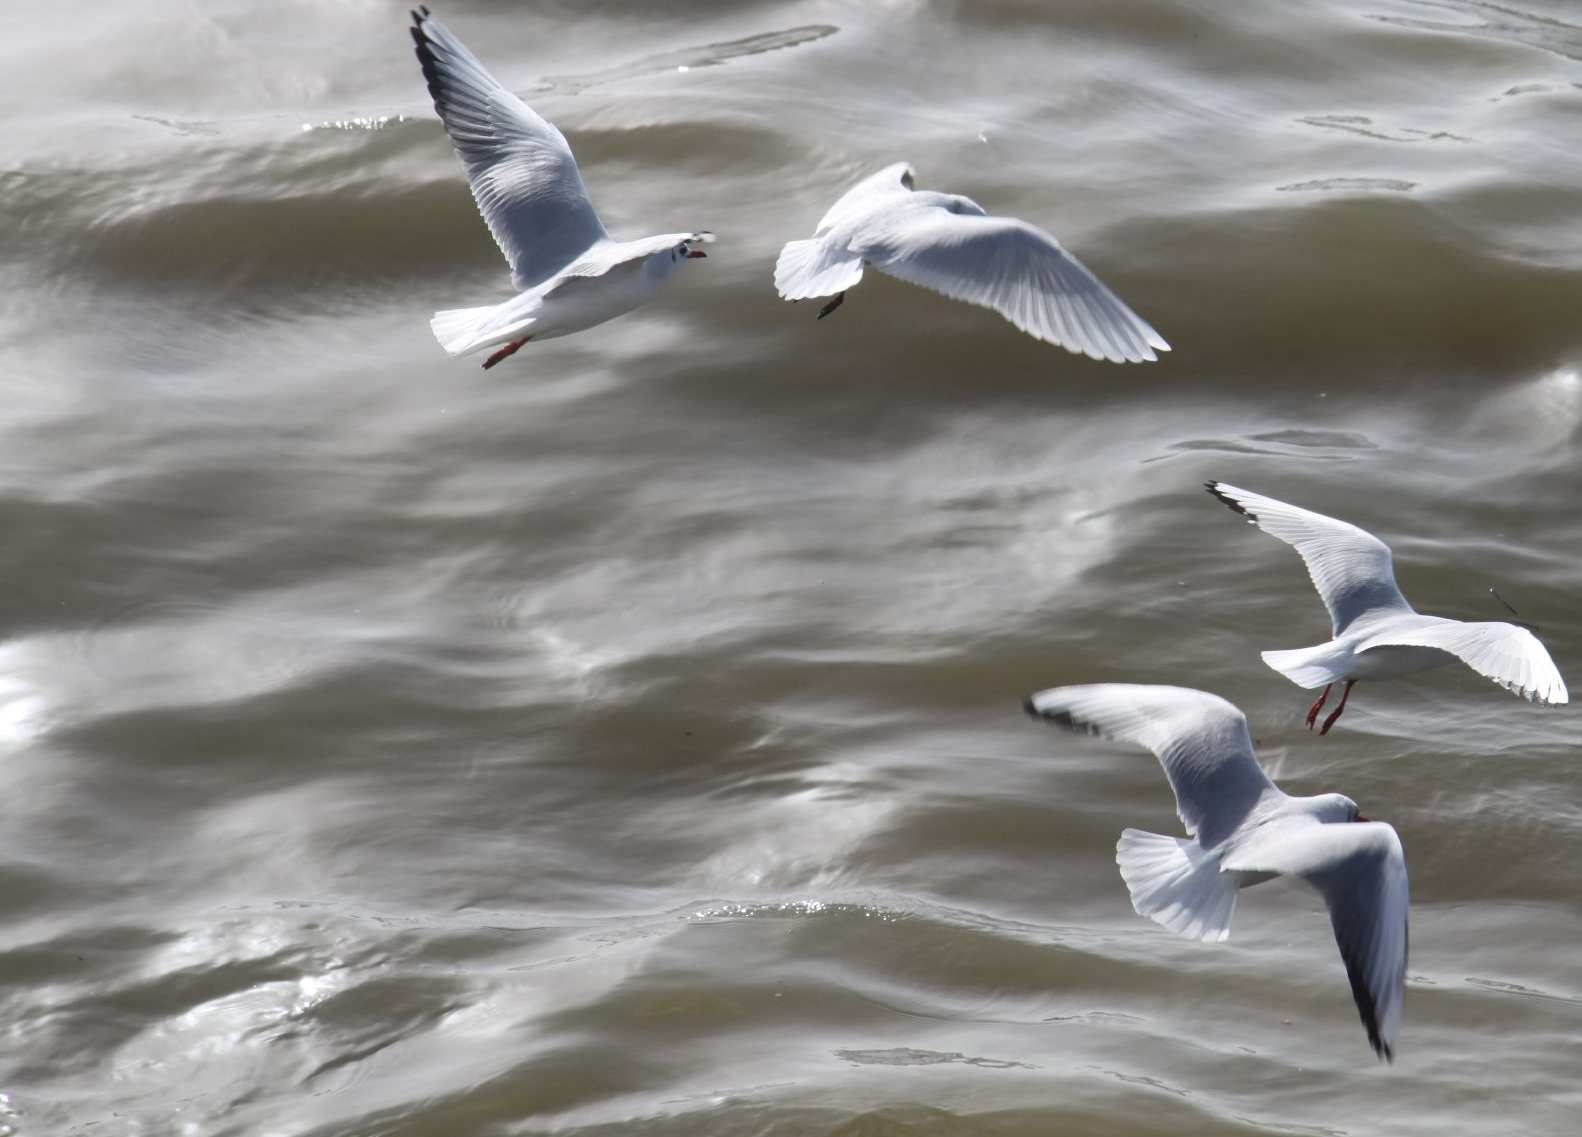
{"type": "Point", "coordinates": [1177, 884]}
{"type": "Point", "coordinates": [806, 269]}
{"type": "Point", "coordinates": [464, 330]}
{"type": "Point", "coordinates": [1305, 666]}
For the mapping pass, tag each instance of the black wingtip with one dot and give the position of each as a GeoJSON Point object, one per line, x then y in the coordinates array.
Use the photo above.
{"type": "Point", "coordinates": [1367, 1009]}
{"type": "Point", "coordinates": [419, 18]}
{"type": "Point", "coordinates": [1058, 718]}
{"type": "Point", "coordinates": [1229, 502]}
{"type": "Point", "coordinates": [426, 59]}
{"type": "Point", "coordinates": [1383, 1050]}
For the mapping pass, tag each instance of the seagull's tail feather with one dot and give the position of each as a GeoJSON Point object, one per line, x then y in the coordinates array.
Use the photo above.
{"type": "Point", "coordinates": [1177, 884]}
{"type": "Point", "coordinates": [809, 268]}
{"type": "Point", "coordinates": [461, 331]}
{"type": "Point", "coordinates": [1305, 666]}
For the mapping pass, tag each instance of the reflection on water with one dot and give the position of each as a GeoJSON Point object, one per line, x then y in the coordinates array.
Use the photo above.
{"type": "Point", "coordinates": [684, 59]}
{"type": "Point", "coordinates": [627, 740]}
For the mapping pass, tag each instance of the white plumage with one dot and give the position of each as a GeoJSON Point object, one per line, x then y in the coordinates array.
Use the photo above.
{"type": "Point", "coordinates": [1244, 830]}
{"type": "Point", "coordinates": [1375, 633]}
{"type": "Point", "coordinates": [569, 272]}
{"type": "Point", "coordinates": [947, 243]}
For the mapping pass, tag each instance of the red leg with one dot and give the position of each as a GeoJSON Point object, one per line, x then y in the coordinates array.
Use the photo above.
{"type": "Point", "coordinates": [1318, 705]}
{"type": "Point", "coordinates": [505, 352]}
{"type": "Point", "coordinates": [1335, 714]}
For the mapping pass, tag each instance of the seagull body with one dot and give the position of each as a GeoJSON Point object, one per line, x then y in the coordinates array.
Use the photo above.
{"type": "Point", "coordinates": [569, 272]}
{"type": "Point", "coordinates": [1243, 831]}
{"type": "Point", "coordinates": [947, 242]}
{"type": "Point", "coordinates": [1376, 634]}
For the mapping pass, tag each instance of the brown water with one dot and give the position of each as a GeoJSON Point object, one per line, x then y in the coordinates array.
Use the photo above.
{"type": "Point", "coordinates": [627, 740]}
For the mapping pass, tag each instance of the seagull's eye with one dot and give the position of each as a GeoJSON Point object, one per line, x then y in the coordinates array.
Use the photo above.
{"type": "Point", "coordinates": [681, 249]}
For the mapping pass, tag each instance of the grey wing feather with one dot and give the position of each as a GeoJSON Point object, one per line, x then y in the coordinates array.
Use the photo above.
{"type": "Point", "coordinates": [1019, 271]}
{"type": "Point", "coordinates": [522, 173]}
{"type": "Point", "coordinates": [1509, 655]}
{"type": "Point", "coordinates": [1351, 568]}
{"type": "Point", "coordinates": [1360, 870]}
{"type": "Point", "coordinates": [1200, 739]}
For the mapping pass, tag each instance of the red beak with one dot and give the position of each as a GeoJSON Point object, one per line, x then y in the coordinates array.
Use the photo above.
{"type": "Point", "coordinates": [1361, 818]}
{"type": "Point", "coordinates": [694, 254]}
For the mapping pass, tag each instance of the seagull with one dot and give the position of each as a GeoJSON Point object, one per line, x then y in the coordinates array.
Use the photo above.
{"type": "Point", "coordinates": [948, 243]}
{"type": "Point", "coordinates": [570, 274]}
{"type": "Point", "coordinates": [1245, 830]}
{"type": "Point", "coordinates": [1377, 634]}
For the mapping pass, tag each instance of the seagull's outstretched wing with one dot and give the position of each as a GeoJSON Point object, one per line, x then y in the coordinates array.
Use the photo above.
{"type": "Point", "coordinates": [1351, 568]}
{"type": "Point", "coordinates": [1360, 869]}
{"type": "Point", "coordinates": [1509, 655]}
{"type": "Point", "coordinates": [1200, 739]}
{"type": "Point", "coordinates": [522, 173]}
{"type": "Point", "coordinates": [892, 181]}
{"type": "Point", "coordinates": [1019, 271]}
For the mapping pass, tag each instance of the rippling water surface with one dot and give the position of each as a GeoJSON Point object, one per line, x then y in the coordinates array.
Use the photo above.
{"type": "Point", "coordinates": [626, 740]}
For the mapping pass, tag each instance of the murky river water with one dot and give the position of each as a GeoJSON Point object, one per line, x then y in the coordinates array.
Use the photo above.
{"type": "Point", "coordinates": [627, 739]}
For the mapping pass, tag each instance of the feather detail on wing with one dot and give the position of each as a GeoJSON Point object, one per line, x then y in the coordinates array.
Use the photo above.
{"type": "Point", "coordinates": [1019, 271]}
{"type": "Point", "coordinates": [1360, 869]}
{"type": "Point", "coordinates": [1200, 739]}
{"type": "Point", "coordinates": [521, 170]}
{"type": "Point", "coordinates": [1507, 654]}
{"type": "Point", "coordinates": [1351, 568]}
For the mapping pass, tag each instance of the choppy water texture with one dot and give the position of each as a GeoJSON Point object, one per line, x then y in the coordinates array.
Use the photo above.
{"type": "Point", "coordinates": [627, 740]}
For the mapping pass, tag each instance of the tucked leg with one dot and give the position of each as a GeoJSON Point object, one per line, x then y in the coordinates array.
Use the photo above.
{"type": "Point", "coordinates": [1318, 705]}
{"type": "Point", "coordinates": [840, 298]}
{"type": "Point", "coordinates": [1335, 714]}
{"type": "Point", "coordinates": [505, 352]}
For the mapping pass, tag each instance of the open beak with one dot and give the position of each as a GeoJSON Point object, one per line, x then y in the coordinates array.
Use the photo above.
{"type": "Point", "coordinates": [695, 254]}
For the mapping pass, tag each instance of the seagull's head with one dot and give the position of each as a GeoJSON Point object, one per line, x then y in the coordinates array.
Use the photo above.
{"type": "Point", "coordinates": [685, 248]}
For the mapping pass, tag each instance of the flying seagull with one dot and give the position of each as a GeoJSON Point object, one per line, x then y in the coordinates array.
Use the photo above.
{"type": "Point", "coordinates": [947, 242]}
{"type": "Point", "coordinates": [570, 274]}
{"type": "Point", "coordinates": [1243, 830]}
{"type": "Point", "coordinates": [1377, 634]}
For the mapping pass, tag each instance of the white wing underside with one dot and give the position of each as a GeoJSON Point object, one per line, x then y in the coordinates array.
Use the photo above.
{"type": "Point", "coordinates": [608, 256]}
{"type": "Point", "coordinates": [1351, 568]}
{"type": "Point", "coordinates": [1507, 654]}
{"type": "Point", "coordinates": [1200, 739]}
{"type": "Point", "coordinates": [894, 181]}
{"type": "Point", "coordinates": [1019, 271]}
{"type": "Point", "coordinates": [521, 170]}
{"type": "Point", "coordinates": [1360, 870]}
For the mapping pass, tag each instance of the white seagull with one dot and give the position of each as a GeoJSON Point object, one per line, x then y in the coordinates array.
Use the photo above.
{"type": "Point", "coordinates": [569, 272]}
{"type": "Point", "coordinates": [1376, 633]}
{"type": "Point", "coordinates": [947, 242]}
{"type": "Point", "coordinates": [1245, 831]}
